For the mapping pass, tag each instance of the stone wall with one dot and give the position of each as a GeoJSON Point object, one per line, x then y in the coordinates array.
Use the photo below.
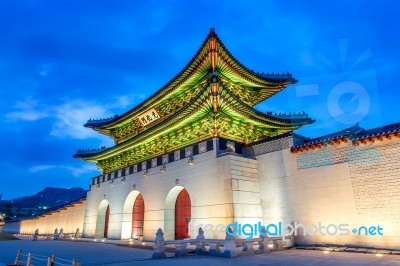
{"type": "Point", "coordinates": [335, 184]}
{"type": "Point", "coordinates": [277, 144]}
{"type": "Point", "coordinates": [245, 190]}
{"type": "Point", "coordinates": [69, 218]}
{"type": "Point", "coordinates": [223, 188]}
{"type": "Point", "coordinates": [340, 184]}
{"type": "Point", "coordinates": [208, 181]}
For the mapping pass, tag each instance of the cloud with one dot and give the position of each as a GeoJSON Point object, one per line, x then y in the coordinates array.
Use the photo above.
{"type": "Point", "coordinates": [71, 116]}
{"type": "Point", "coordinates": [86, 168]}
{"type": "Point", "coordinates": [127, 101]}
{"type": "Point", "coordinates": [75, 171]}
{"type": "Point", "coordinates": [27, 110]}
{"type": "Point", "coordinates": [40, 168]}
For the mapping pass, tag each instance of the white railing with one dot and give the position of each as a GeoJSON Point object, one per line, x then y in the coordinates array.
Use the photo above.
{"type": "Point", "coordinates": [228, 247]}
{"type": "Point", "coordinates": [35, 259]}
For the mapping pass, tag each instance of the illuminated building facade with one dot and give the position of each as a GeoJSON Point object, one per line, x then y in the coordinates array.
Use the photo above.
{"type": "Point", "coordinates": [196, 152]}
{"type": "Point", "coordinates": [178, 156]}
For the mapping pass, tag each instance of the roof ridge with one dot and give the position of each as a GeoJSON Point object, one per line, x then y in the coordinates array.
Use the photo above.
{"type": "Point", "coordinates": [139, 105]}
{"type": "Point", "coordinates": [288, 75]}
{"type": "Point", "coordinates": [394, 127]}
{"type": "Point", "coordinates": [389, 125]}
{"type": "Point", "coordinates": [345, 131]}
{"type": "Point", "coordinates": [286, 78]}
{"type": "Point", "coordinates": [357, 134]}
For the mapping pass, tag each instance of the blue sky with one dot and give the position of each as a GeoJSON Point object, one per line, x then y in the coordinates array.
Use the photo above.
{"type": "Point", "coordinates": [63, 62]}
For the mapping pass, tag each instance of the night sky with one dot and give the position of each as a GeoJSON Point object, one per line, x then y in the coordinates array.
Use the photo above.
{"type": "Point", "coordinates": [63, 62]}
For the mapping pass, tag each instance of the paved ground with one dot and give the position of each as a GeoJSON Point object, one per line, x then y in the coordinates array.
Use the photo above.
{"type": "Point", "coordinates": [90, 253]}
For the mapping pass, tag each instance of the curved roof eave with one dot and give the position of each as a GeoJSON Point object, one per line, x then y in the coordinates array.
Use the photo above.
{"type": "Point", "coordinates": [259, 116]}
{"type": "Point", "coordinates": [102, 124]}
{"type": "Point", "coordinates": [178, 117]}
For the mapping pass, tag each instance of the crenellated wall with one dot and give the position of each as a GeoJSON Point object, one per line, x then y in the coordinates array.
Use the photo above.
{"type": "Point", "coordinates": [69, 218]}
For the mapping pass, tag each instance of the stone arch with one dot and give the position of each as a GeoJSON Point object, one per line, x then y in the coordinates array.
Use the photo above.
{"type": "Point", "coordinates": [103, 218]}
{"type": "Point", "coordinates": [126, 228]}
{"type": "Point", "coordinates": [169, 211]}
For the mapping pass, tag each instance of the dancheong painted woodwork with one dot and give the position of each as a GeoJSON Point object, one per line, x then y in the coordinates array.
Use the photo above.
{"type": "Point", "coordinates": [213, 96]}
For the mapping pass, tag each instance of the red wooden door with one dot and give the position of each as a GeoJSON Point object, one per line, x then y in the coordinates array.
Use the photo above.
{"type": "Point", "coordinates": [183, 215]}
{"type": "Point", "coordinates": [107, 219]}
{"type": "Point", "coordinates": [138, 216]}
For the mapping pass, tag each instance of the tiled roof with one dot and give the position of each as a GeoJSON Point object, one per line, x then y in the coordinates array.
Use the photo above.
{"type": "Point", "coordinates": [392, 128]}
{"type": "Point", "coordinates": [354, 133]}
{"type": "Point", "coordinates": [276, 76]}
{"type": "Point", "coordinates": [100, 121]}
{"type": "Point", "coordinates": [81, 153]}
{"type": "Point", "coordinates": [267, 145]}
{"type": "Point", "coordinates": [273, 77]}
{"type": "Point", "coordinates": [291, 116]}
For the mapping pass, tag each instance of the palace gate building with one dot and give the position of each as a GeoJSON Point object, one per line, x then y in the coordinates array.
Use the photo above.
{"type": "Point", "coordinates": [197, 152]}
{"type": "Point", "coordinates": [178, 156]}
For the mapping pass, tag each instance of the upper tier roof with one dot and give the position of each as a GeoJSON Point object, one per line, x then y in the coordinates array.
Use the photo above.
{"type": "Point", "coordinates": [213, 96]}
{"type": "Point", "coordinates": [199, 66]}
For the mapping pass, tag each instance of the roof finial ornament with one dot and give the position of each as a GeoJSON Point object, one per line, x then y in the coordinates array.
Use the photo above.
{"type": "Point", "coordinates": [212, 32]}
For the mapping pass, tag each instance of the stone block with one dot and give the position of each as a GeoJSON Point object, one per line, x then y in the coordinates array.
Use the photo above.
{"type": "Point", "coordinates": [383, 251]}
{"type": "Point", "coordinates": [361, 250]}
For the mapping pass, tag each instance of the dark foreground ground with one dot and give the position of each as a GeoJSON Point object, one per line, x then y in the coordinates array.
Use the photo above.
{"type": "Point", "coordinates": [4, 236]}
{"type": "Point", "coordinates": [90, 253]}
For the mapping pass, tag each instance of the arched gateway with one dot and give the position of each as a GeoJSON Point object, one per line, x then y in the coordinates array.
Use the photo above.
{"type": "Point", "coordinates": [177, 213]}
{"type": "Point", "coordinates": [103, 219]}
{"type": "Point", "coordinates": [133, 216]}
{"type": "Point", "coordinates": [138, 217]}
